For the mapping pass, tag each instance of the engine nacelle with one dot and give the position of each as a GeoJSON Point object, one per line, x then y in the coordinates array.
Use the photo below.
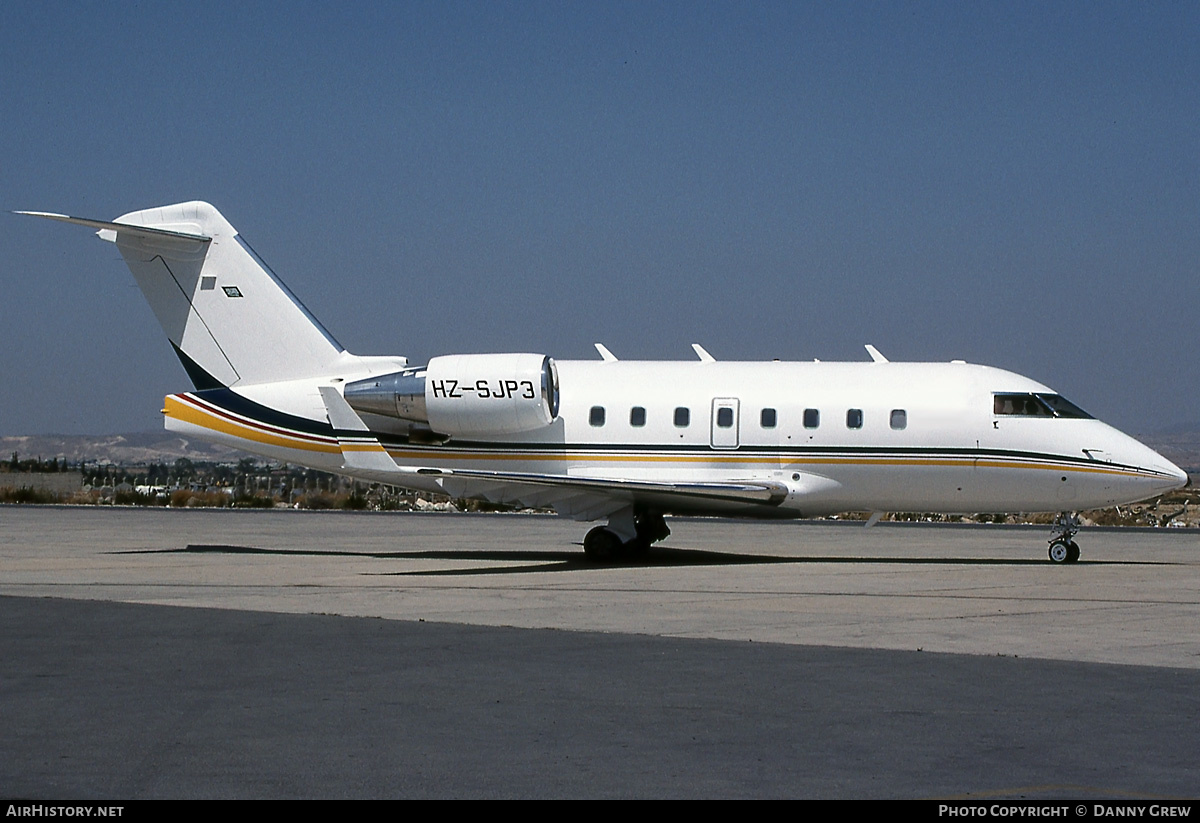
{"type": "Point", "coordinates": [466, 395]}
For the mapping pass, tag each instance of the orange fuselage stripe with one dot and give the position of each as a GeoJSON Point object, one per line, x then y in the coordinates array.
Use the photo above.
{"type": "Point", "coordinates": [259, 433]}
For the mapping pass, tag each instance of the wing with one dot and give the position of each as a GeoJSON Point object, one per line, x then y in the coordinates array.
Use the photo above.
{"type": "Point", "coordinates": [589, 498]}
{"type": "Point", "coordinates": [583, 498]}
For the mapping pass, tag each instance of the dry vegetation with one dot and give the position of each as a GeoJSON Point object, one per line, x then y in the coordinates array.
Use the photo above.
{"type": "Point", "coordinates": [1175, 510]}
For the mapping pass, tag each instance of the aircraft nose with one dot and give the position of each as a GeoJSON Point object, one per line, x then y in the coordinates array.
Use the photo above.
{"type": "Point", "coordinates": [1167, 476]}
{"type": "Point", "coordinates": [1182, 478]}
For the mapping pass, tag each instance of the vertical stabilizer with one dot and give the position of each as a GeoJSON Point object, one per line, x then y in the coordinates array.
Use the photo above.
{"type": "Point", "coordinates": [230, 319]}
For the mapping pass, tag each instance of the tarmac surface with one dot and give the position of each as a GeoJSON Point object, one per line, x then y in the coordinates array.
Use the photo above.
{"type": "Point", "coordinates": [181, 653]}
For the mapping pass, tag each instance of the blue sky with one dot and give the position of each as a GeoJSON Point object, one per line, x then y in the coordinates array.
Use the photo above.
{"type": "Point", "coordinates": [1016, 184]}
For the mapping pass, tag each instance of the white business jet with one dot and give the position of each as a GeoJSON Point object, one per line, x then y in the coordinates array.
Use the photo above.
{"type": "Point", "coordinates": [615, 440]}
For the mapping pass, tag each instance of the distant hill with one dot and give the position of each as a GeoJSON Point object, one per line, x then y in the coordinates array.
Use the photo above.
{"type": "Point", "coordinates": [134, 448]}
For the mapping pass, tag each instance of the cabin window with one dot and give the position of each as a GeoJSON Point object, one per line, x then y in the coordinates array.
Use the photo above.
{"type": "Point", "coordinates": [637, 416]}
{"type": "Point", "coordinates": [854, 419]}
{"type": "Point", "coordinates": [683, 417]}
{"type": "Point", "coordinates": [899, 419]}
{"type": "Point", "coordinates": [768, 418]}
{"type": "Point", "coordinates": [812, 418]}
{"type": "Point", "coordinates": [596, 416]}
{"type": "Point", "coordinates": [725, 418]}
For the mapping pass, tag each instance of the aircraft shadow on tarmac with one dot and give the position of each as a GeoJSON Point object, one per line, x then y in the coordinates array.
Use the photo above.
{"type": "Point", "coordinates": [556, 561]}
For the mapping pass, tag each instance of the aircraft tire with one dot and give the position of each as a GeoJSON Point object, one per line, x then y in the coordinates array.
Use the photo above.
{"type": "Point", "coordinates": [601, 545]}
{"type": "Point", "coordinates": [1060, 552]}
{"type": "Point", "coordinates": [1072, 551]}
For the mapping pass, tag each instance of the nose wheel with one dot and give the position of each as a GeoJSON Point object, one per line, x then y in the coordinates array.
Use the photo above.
{"type": "Point", "coordinates": [1062, 548]}
{"type": "Point", "coordinates": [1063, 551]}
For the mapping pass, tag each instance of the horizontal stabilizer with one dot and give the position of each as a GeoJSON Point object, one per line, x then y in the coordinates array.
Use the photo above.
{"type": "Point", "coordinates": [123, 228]}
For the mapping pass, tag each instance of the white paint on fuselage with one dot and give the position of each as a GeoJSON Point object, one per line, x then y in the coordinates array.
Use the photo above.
{"type": "Point", "coordinates": [953, 455]}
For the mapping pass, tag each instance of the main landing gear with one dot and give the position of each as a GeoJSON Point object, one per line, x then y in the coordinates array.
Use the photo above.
{"type": "Point", "coordinates": [608, 544]}
{"type": "Point", "coordinates": [1062, 548]}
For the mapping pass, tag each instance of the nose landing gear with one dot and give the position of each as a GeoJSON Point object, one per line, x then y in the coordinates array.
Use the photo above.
{"type": "Point", "coordinates": [1062, 548]}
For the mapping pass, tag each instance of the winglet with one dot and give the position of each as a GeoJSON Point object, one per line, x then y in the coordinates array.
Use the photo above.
{"type": "Point", "coordinates": [875, 355]}
{"type": "Point", "coordinates": [704, 356]}
{"type": "Point", "coordinates": [341, 416]}
{"type": "Point", "coordinates": [605, 354]}
{"type": "Point", "coordinates": [362, 452]}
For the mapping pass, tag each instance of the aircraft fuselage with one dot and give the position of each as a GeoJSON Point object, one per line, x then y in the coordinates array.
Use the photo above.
{"type": "Point", "coordinates": [839, 436]}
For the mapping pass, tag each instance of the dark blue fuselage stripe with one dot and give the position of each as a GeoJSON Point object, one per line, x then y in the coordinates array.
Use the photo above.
{"type": "Point", "coordinates": [232, 402]}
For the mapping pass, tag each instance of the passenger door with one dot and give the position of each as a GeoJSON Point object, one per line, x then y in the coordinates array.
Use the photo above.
{"type": "Point", "coordinates": [724, 424]}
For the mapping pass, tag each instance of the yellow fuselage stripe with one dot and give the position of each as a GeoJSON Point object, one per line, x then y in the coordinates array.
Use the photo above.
{"type": "Point", "coordinates": [207, 420]}
{"type": "Point", "coordinates": [200, 417]}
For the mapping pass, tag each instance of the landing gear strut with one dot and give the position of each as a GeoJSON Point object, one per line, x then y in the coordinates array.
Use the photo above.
{"type": "Point", "coordinates": [604, 544]}
{"type": "Point", "coordinates": [1062, 548]}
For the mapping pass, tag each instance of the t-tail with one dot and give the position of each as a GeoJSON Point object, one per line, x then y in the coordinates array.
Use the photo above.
{"type": "Point", "coordinates": [230, 319]}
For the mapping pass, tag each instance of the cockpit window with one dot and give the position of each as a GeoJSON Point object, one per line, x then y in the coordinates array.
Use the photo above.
{"type": "Point", "coordinates": [1037, 405]}
{"type": "Point", "coordinates": [1063, 407]}
{"type": "Point", "coordinates": [1025, 405]}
